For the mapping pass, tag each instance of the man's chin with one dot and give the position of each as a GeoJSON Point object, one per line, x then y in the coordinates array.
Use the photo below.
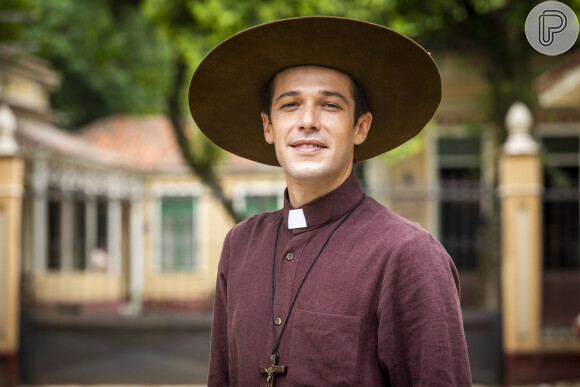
{"type": "Point", "coordinates": [306, 170]}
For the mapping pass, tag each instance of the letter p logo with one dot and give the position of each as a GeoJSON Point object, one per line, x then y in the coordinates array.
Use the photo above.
{"type": "Point", "coordinates": [551, 22]}
{"type": "Point", "coordinates": [552, 28]}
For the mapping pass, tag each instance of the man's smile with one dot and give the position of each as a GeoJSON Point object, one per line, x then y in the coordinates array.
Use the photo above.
{"type": "Point", "coordinates": [308, 145]}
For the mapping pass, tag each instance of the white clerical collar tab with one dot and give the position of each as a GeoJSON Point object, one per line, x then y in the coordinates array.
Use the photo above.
{"type": "Point", "coordinates": [296, 219]}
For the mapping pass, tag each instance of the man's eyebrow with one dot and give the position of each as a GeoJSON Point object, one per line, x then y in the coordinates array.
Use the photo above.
{"type": "Point", "coordinates": [329, 93]}
{"type": "Point", "coordinates": [326, 93]}
{"type": "Point", "coordinates": [287, 94]}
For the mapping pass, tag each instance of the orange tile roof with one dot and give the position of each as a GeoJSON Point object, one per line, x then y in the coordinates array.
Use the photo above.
{"type": "Point", "coordinates": [147, 143]}
{"type": "Point", "coordinates": [142, 142]}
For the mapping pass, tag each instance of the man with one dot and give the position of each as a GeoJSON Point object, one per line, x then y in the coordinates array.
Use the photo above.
{"type": "Point", "coordinates": [334, 289]}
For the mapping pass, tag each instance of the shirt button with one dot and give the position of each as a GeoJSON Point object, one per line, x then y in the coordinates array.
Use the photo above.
{"type": "Point", "coordinates": [278, 321]}
{"type": "Point", "coordinates": [289, 256]}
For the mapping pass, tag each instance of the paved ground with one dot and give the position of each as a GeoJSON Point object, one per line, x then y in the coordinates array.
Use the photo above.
{"type": "Point", "coordinates": [60, 350]}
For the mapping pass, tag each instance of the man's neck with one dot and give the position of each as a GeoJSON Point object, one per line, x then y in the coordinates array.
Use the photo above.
{"type": "Point", "coordinates": [304, 191]}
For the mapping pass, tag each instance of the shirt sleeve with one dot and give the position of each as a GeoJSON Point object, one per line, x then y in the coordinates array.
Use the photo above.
{"type": "Point", "coordinates": [421, 341]}
{"type": "Point", "coordinates": [219, 354]}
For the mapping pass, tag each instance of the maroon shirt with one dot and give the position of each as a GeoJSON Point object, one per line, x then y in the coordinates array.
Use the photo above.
{"type": "Point", "coordinates": [380, 306]}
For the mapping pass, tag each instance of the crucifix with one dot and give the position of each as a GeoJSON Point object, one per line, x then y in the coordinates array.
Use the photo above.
{"type": "Point", "coordinates": [271, 370]}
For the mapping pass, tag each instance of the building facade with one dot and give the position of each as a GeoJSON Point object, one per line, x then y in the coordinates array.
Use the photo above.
{"type": "Point", "coordinates": [110, 220]}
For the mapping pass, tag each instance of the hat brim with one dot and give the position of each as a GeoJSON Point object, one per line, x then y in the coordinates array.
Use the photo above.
{"type": "Point", "coordinates": [400, 78]}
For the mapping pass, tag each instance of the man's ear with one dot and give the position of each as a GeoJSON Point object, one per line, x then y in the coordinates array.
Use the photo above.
{"type": "Point", "coordinates": [361, 128]}
{"type": "Point", "coordinates": [268, 132]}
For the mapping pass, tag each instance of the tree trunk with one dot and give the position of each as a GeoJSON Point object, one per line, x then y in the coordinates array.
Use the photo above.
{"type": "Point", "coordinates": [201, 167]}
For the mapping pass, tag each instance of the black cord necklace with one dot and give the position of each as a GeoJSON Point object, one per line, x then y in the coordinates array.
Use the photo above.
{"type": "Point", "coordinates": [277, 341]}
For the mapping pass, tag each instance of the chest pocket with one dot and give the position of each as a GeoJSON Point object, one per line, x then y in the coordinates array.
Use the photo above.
{"type": "Point", "coordinates": [324, 349]}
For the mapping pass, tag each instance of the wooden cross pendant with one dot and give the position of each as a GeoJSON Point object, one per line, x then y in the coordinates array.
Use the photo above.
{"type": "Point", "coordinates": [271, 370]}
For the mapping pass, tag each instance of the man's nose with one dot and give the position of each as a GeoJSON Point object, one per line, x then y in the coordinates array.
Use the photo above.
{"type": "Point", "coordinates": [309, 119]}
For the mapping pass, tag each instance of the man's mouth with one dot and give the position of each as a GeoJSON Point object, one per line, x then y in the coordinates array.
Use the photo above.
{"type": "Point", "coordinates": [307, 144]}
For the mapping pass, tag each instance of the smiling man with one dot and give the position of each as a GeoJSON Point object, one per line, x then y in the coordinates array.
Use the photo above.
{"type": "Point", "coordinates": [334, 289]}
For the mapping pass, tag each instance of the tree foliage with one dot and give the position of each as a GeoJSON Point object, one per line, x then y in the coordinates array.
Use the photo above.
{"type": "Point", "coordinates": [13, 16]}
{"type": "Point", "coordinates": [137, 55]}
{"type": "Point", "coordinates": [111, 58]}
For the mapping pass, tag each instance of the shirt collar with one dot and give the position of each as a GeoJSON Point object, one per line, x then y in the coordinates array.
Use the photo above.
{"type": "Point", "coordinates": [328, 208]}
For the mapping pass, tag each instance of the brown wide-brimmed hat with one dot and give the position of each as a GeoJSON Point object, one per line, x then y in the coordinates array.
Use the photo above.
{"type": "Point", "coordinates": [401, 80]}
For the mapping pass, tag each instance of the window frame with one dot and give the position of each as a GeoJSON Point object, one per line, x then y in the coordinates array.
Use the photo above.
{"type": "Point", "coordinates": [270, 188]}
{"type": "Point", "coordinates": [161, 191]}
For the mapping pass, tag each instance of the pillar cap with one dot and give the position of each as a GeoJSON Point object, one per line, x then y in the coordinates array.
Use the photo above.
{"type": "Point", "coordinates": [519, 123]}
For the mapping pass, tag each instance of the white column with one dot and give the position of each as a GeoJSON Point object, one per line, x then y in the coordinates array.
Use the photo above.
{"type": "Point", "coordinates": [8, 145]}
{"type": "Point", "coordinates": [90, 229]}
{"type": "Point", "coordinates": [114, 235]}
{"type": "Point", "coordinates": [377, 179]}
{"type": "Point", "coordinates": [136, 271]}
{"type": "Point", "coordinates": [520, 189]}
{"type": "Point", "coordinates": [66, 233]}
{"type": "Point", "coordinates": [431, 166]}
{"type": "Point", "coordinates": [39, 216]}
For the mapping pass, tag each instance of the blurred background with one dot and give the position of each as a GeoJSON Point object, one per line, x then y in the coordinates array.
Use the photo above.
{"type": "Point", "coordinates": [113, 206]}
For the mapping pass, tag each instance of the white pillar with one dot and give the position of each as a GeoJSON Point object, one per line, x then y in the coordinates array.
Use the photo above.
{"type": "Point", "coordinates": [8, 145]}
{"type": "Point", "coordinates": [377, 180]}
{"type": "Point", "coordinates": [67, 233]}
{"type": "Point", "coordinates": [90, 229]}
{"type": "Point", "coordinates": [114, 235]}
{"type": "Point", "coordinates": [39, 216]}
{"type": "Point", "coordinates": [136, 271]}
{"type": "Point", "coordinates": [431, 166]}
{"type": "Point", "coordinates": [11, 181]}
{"type": "Point", "coordinates": [520, 188]}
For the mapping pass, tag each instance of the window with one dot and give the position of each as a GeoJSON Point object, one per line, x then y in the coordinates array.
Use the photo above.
{"type": "Point", "coordinates": [561, 233]}
{"type": "Point", "coordinates": [54, 234]}
{"type": "Point", "coordinates": [255, 197]}
{"type": "Point", "coordinates": [178, 234]}
{"type": "Point", "coordinates": [560, 207]}
{"type": "Point", "coordinates": [459, 193]}
{"type": "Point", "coordinates": [80, 235]}
{"type": "Point", "coordinates": [256, 204]}
{"type": "Point", "coordinates": [102, 225]}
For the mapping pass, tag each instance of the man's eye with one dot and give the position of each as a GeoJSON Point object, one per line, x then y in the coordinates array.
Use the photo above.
{"type": "Point", "coordinates": [331, 105]}
{"type": "Point", "coordinates": [290, 105]}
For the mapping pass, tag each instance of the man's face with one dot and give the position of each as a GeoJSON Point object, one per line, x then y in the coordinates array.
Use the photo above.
{"type": "Point", "coordinates": [312, 123]}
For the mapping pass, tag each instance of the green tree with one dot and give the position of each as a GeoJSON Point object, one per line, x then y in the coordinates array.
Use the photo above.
{"type": "Point", "coordinates": [14, 14]}
{"type": "Point", "coordinates": [111, 58]}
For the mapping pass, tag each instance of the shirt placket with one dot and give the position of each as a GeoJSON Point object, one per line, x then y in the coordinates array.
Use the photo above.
{"type": "Point", "coordinates": [287, 261]}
